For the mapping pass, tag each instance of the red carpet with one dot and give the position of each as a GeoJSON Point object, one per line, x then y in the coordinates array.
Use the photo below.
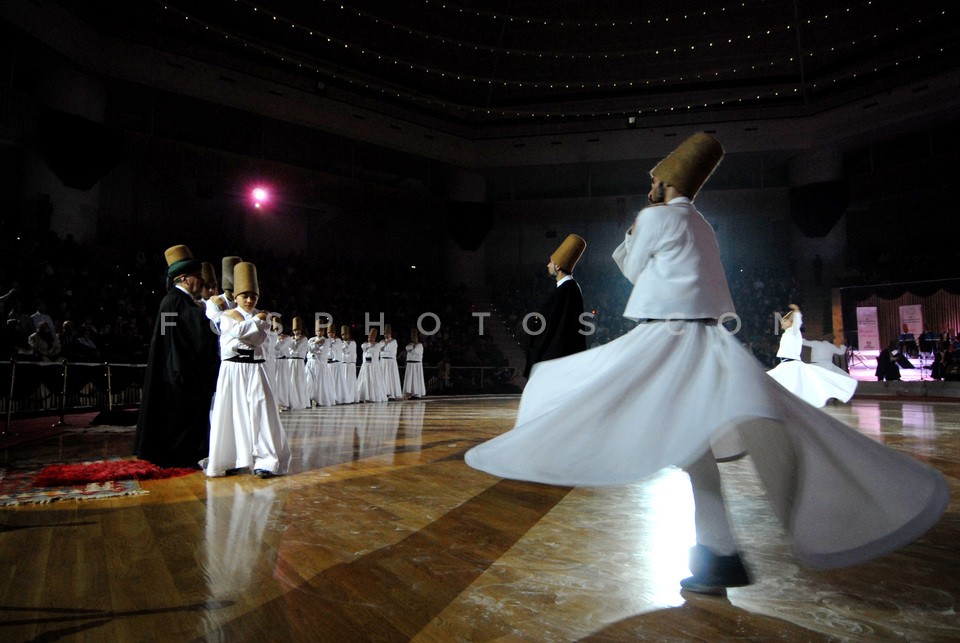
{"type": "Point", "coordinates": [58, 475]}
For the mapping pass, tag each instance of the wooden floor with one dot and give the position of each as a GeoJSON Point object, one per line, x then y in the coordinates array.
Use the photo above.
{"type": "Point", "coordinates": [382, 533]}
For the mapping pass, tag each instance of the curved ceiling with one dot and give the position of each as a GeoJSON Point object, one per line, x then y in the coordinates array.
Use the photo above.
{"type": "Point", "coordinates": [490, 63]}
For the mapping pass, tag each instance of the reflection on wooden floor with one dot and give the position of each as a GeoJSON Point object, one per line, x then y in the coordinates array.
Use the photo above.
{"type": "Point", "coordinates": [383, 533]}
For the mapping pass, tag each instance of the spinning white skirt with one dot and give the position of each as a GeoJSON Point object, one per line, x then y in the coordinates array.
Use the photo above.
{"type": "Point", "coordinates": [653, 398]}
{"type": "Point", "coordinates": [813, 384]}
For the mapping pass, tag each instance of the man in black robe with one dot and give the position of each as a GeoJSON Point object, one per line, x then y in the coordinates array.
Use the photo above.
{"type": "Point", "coordinates": [887, 364]}
{"type": "Point", "coordinates": [563, 331]}
{"type": "Point", "coordinates": [173, 429]}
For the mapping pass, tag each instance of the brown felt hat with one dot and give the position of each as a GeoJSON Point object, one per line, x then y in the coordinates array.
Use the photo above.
{"type": "Point", "coordinates": [180, 262]}
{"type": "Point", "coordinates": [689, 166]}
{"type": "Point", "coordinates": [245, 278]}
{"type": "Point", "coordinates": [296, 324]}
{"type": "Point", "coordinates": [208, 274]}
{"type": "Point", "coordinates": [174, 254]}
{"type": "Point", "coordinates": [227, 265]}
{"type": "Point", "coordinates": [569, 253]}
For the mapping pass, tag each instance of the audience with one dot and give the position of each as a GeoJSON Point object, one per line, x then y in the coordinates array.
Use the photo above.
{"type": "Point", "coordinates": [102, 303]}
{"type": "Point", "coordinates": [44, 344]}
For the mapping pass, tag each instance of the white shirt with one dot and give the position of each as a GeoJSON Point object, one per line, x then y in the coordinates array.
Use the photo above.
{"type": "Point", "coordinates": [250, 334]}
{"type": "Point", "coordinates": [673, 261]}
{"type": "Point", "coordinates": [821, 351]}
{"type": "Point", "coordinates": [791, 341]}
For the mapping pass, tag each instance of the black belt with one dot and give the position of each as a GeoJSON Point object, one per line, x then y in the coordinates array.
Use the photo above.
{"type": "Point", "coordinates": [367, 359]}
{"type": "Point", "coordinates": [709, 321]}
{"type": "Point", "coordinates": [333, 361]}
{"type": "Point", "coordinates": [788, 359]}
{"type": "Point", "coordinates": [283, 357]}
{"type": "Point", "coordinates": [413, 361]}
{"type": "Point", "coordinates": [244, 356]}
{"type": "Point", "coordinates": [384, 357]}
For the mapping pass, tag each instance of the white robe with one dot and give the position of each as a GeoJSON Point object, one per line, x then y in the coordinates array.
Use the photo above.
{"type": "Point", "coordinates": [281, 349]}
{"type": "Point", "coordinates": [413, 383]}
{"type": "Point", "coordinates": [667, 391]}
{"type": "Point", "coordinates": [293, 369]}
{"type": "Point", "coordinates": [334, 351]}
{"type": "Point", "coordinates": [812, 384]}
{"type": "Point", "coordinates": [389, 371]}
{"type": "Point", "coordinates": [321, 382]}
{"type": "Point", "coordinates": [821, 354]}
{"type": "Point", "coordinates": [245, 428]}
{"type": "Point", "coordinates": [369, 384]}
{"type": "Point", "coordinates": [270, 359]}
{"type": "Point", "coordinates": [348, 373]}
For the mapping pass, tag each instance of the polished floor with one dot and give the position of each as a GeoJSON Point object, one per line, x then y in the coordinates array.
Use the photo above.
{"type": "Point", "coordinates": [382, 533]}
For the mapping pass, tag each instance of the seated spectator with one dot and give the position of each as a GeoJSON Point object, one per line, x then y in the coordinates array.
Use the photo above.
{"type": "Point", "coordinates": [73, 346]}
{"type": "Point", "coordinates": [41, 317]}
{"type": "Point", "coordinates": [44, 344]}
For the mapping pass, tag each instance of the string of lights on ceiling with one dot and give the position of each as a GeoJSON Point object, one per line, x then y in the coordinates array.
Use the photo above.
{"type": "Point", "coordinates": [662, 17]}
{"type": "Point", "coordinates": [706, 44]}
{"type": "Point", "coordinates": [446, 74]}
{"type": "Point", "coordinates": [436, 103]}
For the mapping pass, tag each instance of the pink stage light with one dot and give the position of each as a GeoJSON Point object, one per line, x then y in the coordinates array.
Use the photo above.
{"type": "Point", "coordinates": [260, 195]}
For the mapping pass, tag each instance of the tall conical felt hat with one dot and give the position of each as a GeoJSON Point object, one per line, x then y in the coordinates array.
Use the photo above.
{"type": "Point", "coordinates": [387, 328]}
{"type": "Point", "coordinates": [208, 274]}
{"type": "Point", "coordinates": [296, 324]}
{"type": "Point", "coordinates": [344, 331]}
{"type": "Point", "coordinates": [180, 261]}
{"type": "Point", "coordinates": [569, 253]}
{"type": "Point", "coordinates": [689, 166]}
{"type": "Point", "coordinates": [245, 278]}
{"type": "Point", "coordinates": [226, 269]}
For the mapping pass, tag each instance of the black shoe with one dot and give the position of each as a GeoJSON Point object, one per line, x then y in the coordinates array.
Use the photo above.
{"type": "Point", "coordinates": [713, 574]}
{"type": "Point", "coordinates": [263, 473]}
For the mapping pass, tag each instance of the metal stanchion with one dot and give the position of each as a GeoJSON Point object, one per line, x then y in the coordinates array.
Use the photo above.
{"type": "Point", "coordinates": [6, 426]}
{"type": "Point", "coordinates": [109, 389]}
{"type": "Point", "coordinates": [63, 396]}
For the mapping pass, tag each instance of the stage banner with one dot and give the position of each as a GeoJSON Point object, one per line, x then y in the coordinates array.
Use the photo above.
{"type": "Point", "coordinates": [868, 332]}
{"type": "Point", "coordinates": [911, 317]}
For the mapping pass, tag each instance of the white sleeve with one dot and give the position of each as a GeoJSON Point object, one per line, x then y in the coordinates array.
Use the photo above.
{"type": "Point", "coordinates": [250, 331]}
{"type": "Point", "coordinates": [633, 254]}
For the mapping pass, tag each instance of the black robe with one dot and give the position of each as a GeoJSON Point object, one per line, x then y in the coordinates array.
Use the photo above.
{"type": "Point", "coordinates": [173, 429]}
{"type": "Point", "coordinates": [561, 336]}
{"type": "Point", "coordinates": [887, 368]}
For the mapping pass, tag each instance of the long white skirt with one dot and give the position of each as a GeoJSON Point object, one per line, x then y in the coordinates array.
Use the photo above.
{"type": "Point", "coordinates": [348, 384]}
{"type": "Point", "coordinates": [830, 366]}
{"type": "Point", "coordinates": [245, 428]}
{"type": "Point", "coordinates": [294, 374]}
{"type": "Point", "coordinates": [390, 376]}
{"type": "Point", "coordinates": [369, 385]}
{"type": "Point", "coordinates": [321, 385]}
{"type": "Point", "coordinates": [413, 384]}
{"type": "Point", "coordinates": [653, 398]}
{"type": "Point", "coordinates": [813, 384]}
